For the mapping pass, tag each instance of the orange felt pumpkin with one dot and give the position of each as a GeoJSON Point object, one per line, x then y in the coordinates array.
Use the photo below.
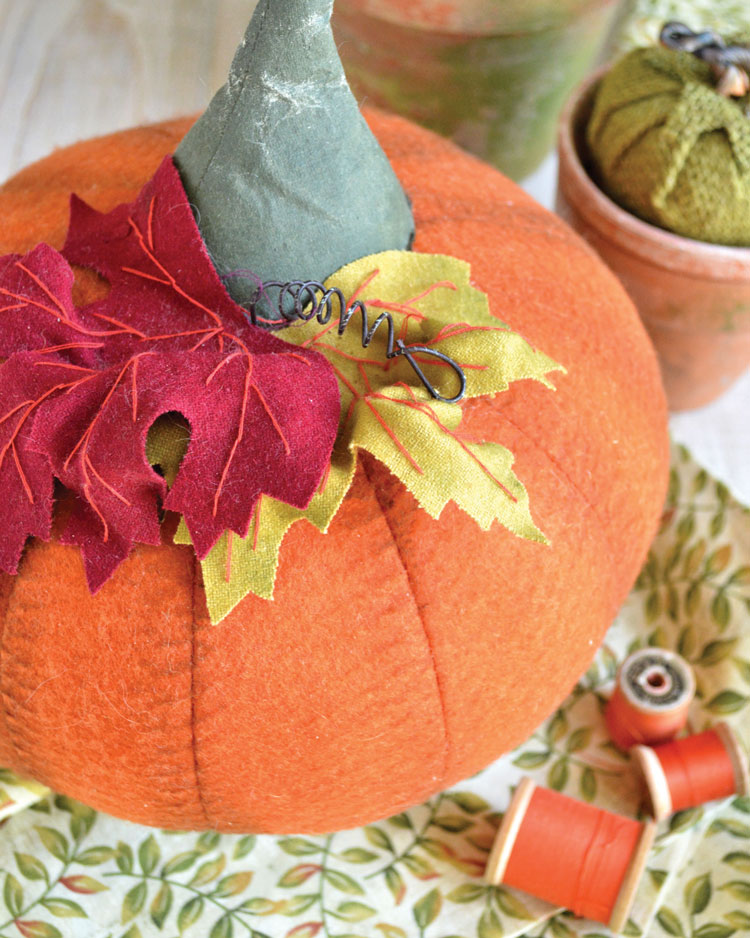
{"type": "Point", "coordinates": [434, 647]}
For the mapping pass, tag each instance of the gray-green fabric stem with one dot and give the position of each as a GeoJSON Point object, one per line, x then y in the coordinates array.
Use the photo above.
{"type": "Point", "coordinates": [286, 178]}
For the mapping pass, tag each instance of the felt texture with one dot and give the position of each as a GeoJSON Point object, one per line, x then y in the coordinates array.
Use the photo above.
{"type": "Point", "coordinates": [669, 148]}
{"type": "Point", "coordinates": [167, 338]}
{"type": "Point", "coordinates": [287, 179]}
{"type": "Point", "coordinates": [401, 653]}
{"type": "Point", "coordinates": [386, 411]}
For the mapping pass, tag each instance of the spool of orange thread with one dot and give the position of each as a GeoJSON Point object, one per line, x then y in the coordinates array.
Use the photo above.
{"type": "Point", "coordinates": [652, 696]}
{"type": "Point", "coordinates": [571, 854]}
{"type": "Point", "coordinates": [693, 770]}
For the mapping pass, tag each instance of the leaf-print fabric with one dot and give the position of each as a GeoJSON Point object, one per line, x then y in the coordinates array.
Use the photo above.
{"type": "Point", "coordinates": [67, 871]}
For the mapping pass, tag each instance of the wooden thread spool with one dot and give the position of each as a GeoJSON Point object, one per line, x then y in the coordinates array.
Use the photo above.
{"type": "Point", "coordinates": [651, 699]}
{"type": "Point", "coordinates": [571, 854]}
{"type": "Point", "coordinates": [694, 770]}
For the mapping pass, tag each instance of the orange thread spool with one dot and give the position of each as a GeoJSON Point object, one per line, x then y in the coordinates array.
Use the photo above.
{"type": "Point", "coordinates": [651, 699]}
{"type": "Point", "coordinates": [571, 854]}
{"type": "Point", "coordinates": [692, 771]}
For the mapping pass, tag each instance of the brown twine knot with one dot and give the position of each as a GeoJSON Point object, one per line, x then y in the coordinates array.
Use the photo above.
{"type": "Point", "coordinates": [730, 63]}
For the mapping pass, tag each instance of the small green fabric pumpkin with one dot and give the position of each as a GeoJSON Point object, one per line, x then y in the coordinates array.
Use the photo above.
{"type": "Point", "coordinates": [666, 146]}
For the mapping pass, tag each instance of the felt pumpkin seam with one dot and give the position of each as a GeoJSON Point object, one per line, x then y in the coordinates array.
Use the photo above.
{"type": "Point", "coordinates": [378, 495]}
{"type": "Point", "coordinates": [555, 463]}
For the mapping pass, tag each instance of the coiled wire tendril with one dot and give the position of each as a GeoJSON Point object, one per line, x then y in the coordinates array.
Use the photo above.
{"type": "Point", "coordinates": [306, 300]}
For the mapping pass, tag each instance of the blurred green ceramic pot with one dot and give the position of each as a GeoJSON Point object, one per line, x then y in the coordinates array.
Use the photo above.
{"type": "Point", "coordinates": [492, 75]}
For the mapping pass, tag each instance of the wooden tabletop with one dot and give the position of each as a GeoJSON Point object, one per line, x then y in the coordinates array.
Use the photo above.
{"type": "Point", "coordinates": [71, 69]}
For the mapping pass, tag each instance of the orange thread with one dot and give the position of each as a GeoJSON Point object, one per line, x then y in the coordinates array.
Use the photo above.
{"type": "Point", "coordinates": [651, 700]}
{"type": "Point", "coordinates": [628, 726]}
{"type": "Point", "coordinates": [221, 364]}
{"type": "Point", "coordinates": [364, 285]}
{"type": "Point", "coordinates": [448, 284]}
{"type": "Point", "coordinates": [22, 474]}
{"type": "Point", "coordinates": [355, 296]}
{"type": "Point", "coordinates": [401, 308]}
{"type": "Point", "coordinates": [298, 357]}
{"type": "Point", "coordinates": [30, 407]}
{"type": "Point", "coordinates": [145, 276]}
{"type": "Point", "coordinates": [90, 371]}
{"type": "Point", "coordinates": [353, 358]}
{"type": "Point", "coordinates": [573, 854]}
{"type": "Point", "coordinates": [350, 410]}
{"type": "Point", "coordinates": [453, 329]}
{"type": "Point", "coordinates": [92, 504]}
{"type": "Point", "coordinates": [84, 441]}
{"type": "Point", "coordinates": [27, 301]}
{"type": "Point", "coordinates": [274, 421]}
{"type": "Point", "coordinates": [698, 769]}
{"type": "Point", "coordinates": [402, 449]}
{"type": "Point", "coordinates": [256, 532]}
{"type": "Point", "coordinates": [345, 381]}
{"type": "Point", "coordinates": [241, 428]}
{"type": "Point", "coordinates": [172, 282]}
{"type": "Point", "coordinates": [440, 364]}
{"type": "Point", "coordinates": [124, 328]}
{"type": "Point", "coordinates": [106, 484]}
{"type": "Point", "coordinates": [135, 390]}
{"type": "Point", "coordinates": [15, 410]}
{"type": "Point", "coordinates": [429, 412]}
{"type": "Point", "coordinates": [58, 312]}
{"type": "Point", "coordinates": [383, 423]}
{"type": "Point", "coordinates": [326, 476]}
{"type": "Point", "coordinates": [47, 292]}
{"type": "Point", "coordinates": [206, 333]}
{"type": "Point", "coordinates": [228, 567]}
{"type": "Point", "coordinates": [69, 346]}
{"type": "Point", "coordinates": [207, 338]}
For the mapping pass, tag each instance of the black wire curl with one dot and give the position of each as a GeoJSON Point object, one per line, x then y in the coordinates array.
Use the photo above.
{"type": "Point", "coordinates": [305, 300]}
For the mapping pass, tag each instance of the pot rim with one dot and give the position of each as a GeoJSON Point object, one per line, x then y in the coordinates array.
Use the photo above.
{"type": "Point", "coordinates": [657, 246]}
{"type": "Point", "coordinates": [480, 18]}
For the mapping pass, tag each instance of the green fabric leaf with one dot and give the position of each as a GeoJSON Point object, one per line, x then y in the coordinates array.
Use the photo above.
{"type": "Point", "coordinates": [387, 412]}
{"type": "Point", "coordinates": [436, 465]}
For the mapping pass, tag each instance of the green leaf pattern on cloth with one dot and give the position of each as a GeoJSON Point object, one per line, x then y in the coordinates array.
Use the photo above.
{"type": "Point", "coordinates": [387, 412]}
{"type": "Point", "coordinates": [17, 793]}
{"type": "Point", "coordinates": [67, 872]}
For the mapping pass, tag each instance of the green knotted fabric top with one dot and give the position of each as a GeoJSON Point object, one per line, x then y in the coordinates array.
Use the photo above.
{"type": "Point", "coordinates": [666, 146]}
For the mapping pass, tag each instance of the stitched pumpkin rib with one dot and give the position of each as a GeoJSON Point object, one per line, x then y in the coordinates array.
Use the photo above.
{"type": "Point", "coordinates": [450, 776]}
{"type": "Point", "coordinates": [542, 450]}
{"type": "Point", "coordinates": [420, 617]}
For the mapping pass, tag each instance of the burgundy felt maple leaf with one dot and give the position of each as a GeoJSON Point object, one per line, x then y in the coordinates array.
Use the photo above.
{"type": "Point", "coordinates": [82, 387]}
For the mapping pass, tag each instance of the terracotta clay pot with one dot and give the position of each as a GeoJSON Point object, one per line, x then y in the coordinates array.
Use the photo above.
{"type": "Point", "coordinates": [693, 297]}
{"type": "Point", "coordinates": [491, 76]}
